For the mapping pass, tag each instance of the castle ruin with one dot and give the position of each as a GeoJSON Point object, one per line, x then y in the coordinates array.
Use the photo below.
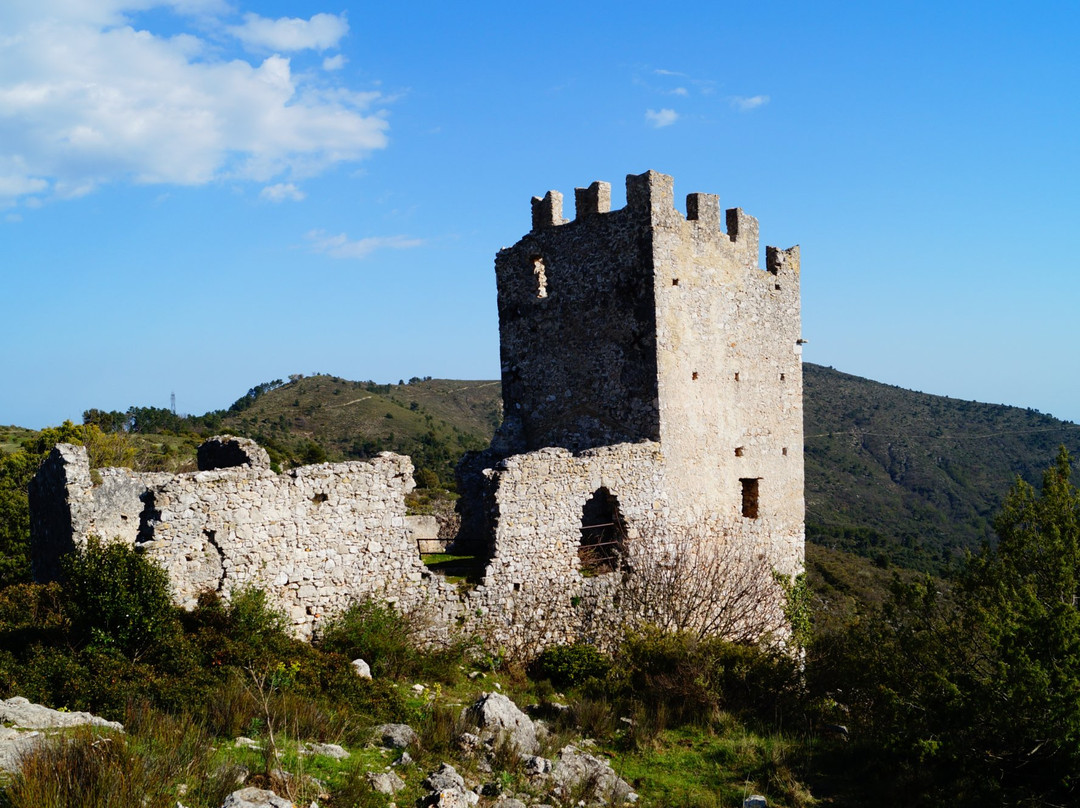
{"type": "Point", "coordinates": [652, 388]}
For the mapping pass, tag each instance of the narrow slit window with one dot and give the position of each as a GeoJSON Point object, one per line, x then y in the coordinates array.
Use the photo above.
{"type": "Point", "coordinates": [750, 497]}
{"type": "Point", "coordinates": [784, 451]}
{"type": "Point", "coordinates": [782, 377]}
{"type": "Point", "coordinates": [540, 271]}
{"type": "Point", "coordinates": [736, 375]}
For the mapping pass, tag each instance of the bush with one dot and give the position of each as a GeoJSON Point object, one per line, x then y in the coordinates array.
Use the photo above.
{"type": "Point", "coordinates": [376, 633]}
{"type": "Point", "coordinates": [117, 598]}
{"type": "Point", "coordinates": [570, 665]}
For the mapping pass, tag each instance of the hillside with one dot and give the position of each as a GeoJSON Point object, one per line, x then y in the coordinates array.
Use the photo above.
{"type": "Point", "coordinates": [321, 418]}
{"type": "Point", "coordinates": [914, 478]}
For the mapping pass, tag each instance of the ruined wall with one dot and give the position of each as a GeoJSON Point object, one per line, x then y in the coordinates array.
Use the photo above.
{"type": "Point", "coordinates": [315, 539]}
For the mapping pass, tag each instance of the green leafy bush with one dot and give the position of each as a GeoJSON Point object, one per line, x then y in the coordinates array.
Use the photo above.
{"type": "Point", "coordinates": [570, 665]}
{"type": "Point", "coordinates": [117, 598]}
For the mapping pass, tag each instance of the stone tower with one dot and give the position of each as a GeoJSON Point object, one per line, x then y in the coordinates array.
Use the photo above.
{"type": "Point", "coordinates": [644, 325]}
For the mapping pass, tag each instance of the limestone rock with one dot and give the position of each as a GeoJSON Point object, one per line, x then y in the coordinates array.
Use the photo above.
{"type": "Point", "coordinates": [22, 713]}
{"type": "Point", "coordinates": [15, 744]}
{"type": "Point", "coordinates": [755, 801]}
{"type": "Point", "coordinates": [443, 778]}
{"type": "Point", "coordinates": [535, 765]}
{"type": "Point", "coordinates": [256, 798]}
{"type": "Point", "coordinates": [328, 750]}
{"type": "Point", "coordinates": [498, 717]}
{"type": "Point", "coordinates": [396, 736]}
{"type": "Point", "coordinates": [573, 768]}
{"type": "Point", "coordinates": [363, 670]}
{"type": "Point", "coordinates": [385, 782]}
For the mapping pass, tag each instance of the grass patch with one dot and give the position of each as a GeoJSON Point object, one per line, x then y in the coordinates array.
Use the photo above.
{"type": "Point", "coordinates": [459, 569]}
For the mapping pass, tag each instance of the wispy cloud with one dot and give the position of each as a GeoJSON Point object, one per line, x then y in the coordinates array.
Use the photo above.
{"type": "Point", "coordinates": [747, 103]}
{"type": "Point", "coordinates": [86, 100]}
{"type": "Point", "coordinates": [331, 63]}
{"type": "Point", "coordinates": [281, 192]}
{"type": "Point", "coordinates": [340, 246]}
{"type": "Point", "coordinates": [660, 119]}
{"type": "Point", "coordinates": [680, 91]}
{"type": "Point", "coordinates": [661, 72]}
{"type": "Point", "coordinates": [291, 33]}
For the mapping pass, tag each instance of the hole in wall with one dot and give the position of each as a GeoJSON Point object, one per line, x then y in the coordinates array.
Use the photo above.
{"type": "Point", "coordinates": [784, 451]}
{"type": "Point", "coordinates": [319, 499]}
{"type": "Point", "coordinates": [694, 376]}
{"type": "Point", "coordinates": [736, 375]}
{"type": "Point", "coordinates": [603, 534]}
{"type": "Point", "coordinates": [674, 281]}
{"type": "Point", "coordinates": [738, 451]}
{"type": "Point", "coordinates": [750, 497]}
{"type": "Point", "coordinates": [776, 286]}
{"type": "Point", "coordinates": [782, 377]}
{"type": "Point", "coordinates": [540, 271]}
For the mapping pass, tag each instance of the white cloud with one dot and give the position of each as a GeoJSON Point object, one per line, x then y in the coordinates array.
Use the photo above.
{"type": "Point", "coordinates": [339, 246]}
{"type": "Point", "coordinates": [680, 91]}
{"type": "Point", "coordinates": [87, 99]}
{"type": "Point", "coordinates": [281, 192]}
{"type": "Point", "coordinates": [745, 104]}
{"type": "Point", "coordinates": [291, 33]}
{"type": "Point", "coordinates": [661, 72]}
{"type": "Point", "coordinates": [334, 62]}
{"type": "Point", "coordinates": [665, 117]}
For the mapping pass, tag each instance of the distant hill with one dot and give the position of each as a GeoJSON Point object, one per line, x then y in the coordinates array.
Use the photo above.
{"type": "Point", "coordinates": [912, 477]}
{"type": "Point", "coordinates": [896, 476]}
{"type": "Point", "coordinates": [319, 418]}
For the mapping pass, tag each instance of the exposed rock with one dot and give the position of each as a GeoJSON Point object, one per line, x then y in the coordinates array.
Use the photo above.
{"type": "Point", "coordinates": [256, 798]}
{"type": "Point", "coordinates": [444, 777]}
{"type": "Point", "coordinates": [755, 801]}
{"type": "Point", "coordinates": [385, 782]}
{"type": "Point", "coordinates": [470, 743]}
{"type": "Point", "coordinates": [574, 769]}
{"type": "Point", "coordinates": [327, 749]}
{"type": "Point", "coordinates": [499, 718]}
{"type": "Point", "coordinates": [396, 736]}
{"type": "Point", "coordinates": [535, 765]}
{"type": "Point", "coordinates": [508, 802]}
{"type": "Point", "coordinates": [363, 670]}
{"type": "Point", "coordinates": [246, 743]}
{"type": "Point", "coordinates": [22, 713]}
{"type": "Point", "coordinates": [15, 744]}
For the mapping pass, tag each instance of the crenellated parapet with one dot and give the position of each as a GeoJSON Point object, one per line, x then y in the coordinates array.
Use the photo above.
{"type": "Point", "coordinates": [650, 202]}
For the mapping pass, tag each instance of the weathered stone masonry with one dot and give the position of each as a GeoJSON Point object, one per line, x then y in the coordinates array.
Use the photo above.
{"type": "Point", "coordinates": [652, 385]}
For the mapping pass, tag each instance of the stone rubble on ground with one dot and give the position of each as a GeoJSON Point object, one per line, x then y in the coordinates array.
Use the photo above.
{"type": "Point", "coordinates": [256, 798]}
{"type": "Point", "coordinates": [446, 789]}
{"type": "Point", "coordinates": [385, 782]}
{"type": "Point", "coordinates": [395, 736]}
{"type": "Point", "coordinates": [332, 750]}
{"type": "Point", "coordinates": [498, 718]}
{"type": "Point", "coordinates": [573, 768]}
{"type": "Point", "coordinates": [22, 713]}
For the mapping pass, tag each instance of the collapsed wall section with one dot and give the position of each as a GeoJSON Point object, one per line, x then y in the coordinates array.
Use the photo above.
{"type": "Point", "coordinates": [315, 539]}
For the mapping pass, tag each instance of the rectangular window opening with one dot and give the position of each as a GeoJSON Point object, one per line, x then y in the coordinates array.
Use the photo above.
{"type": "Point", "coordinates": [750, 497]}
{"type": "Point", "coordinates": [736, 375]}
{"type": "Point", "coordinates": [674, 281]}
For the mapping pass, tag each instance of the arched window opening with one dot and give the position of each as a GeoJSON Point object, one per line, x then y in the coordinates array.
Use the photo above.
{"type": "Point", "coordinates": [603, 534]}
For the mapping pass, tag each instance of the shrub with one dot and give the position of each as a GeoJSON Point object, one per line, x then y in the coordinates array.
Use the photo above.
{"type": "Point", "coordinates": [376, 633]}
{"type": "Point", "coordinates": [570, 665]}
{"type": "Point", "coordinates": [117, 598]}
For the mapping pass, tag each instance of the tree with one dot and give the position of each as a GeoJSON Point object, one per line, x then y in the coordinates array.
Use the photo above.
{"type": "Point", "coordinates": [973, 690]}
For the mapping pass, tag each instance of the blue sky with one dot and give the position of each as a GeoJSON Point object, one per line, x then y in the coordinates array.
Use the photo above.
{"type": "Point", "coordinates": [200, 195]}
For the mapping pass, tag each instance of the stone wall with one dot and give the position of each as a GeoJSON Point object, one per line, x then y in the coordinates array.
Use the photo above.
{"type": "Point", "coordinates": [652, 387]}
{"type": "Point", "coordinates": [315, 538]}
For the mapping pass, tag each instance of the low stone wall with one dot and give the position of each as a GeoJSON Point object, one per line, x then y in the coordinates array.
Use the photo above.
{"type": "Point", "coordinates": [319, 538]}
